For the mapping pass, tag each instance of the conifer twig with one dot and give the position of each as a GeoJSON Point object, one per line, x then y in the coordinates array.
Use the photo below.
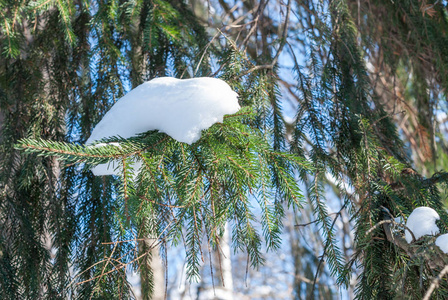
{"type": "Point", "coordinates": [435, 283]}
{"type": "Point", "coordinates": [310, 296]}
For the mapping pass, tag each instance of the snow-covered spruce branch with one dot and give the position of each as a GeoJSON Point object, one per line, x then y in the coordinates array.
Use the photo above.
{"type": "Point", "coordinates": [196, 185]}
{"type": "Point", "coordinates": [436, 261]}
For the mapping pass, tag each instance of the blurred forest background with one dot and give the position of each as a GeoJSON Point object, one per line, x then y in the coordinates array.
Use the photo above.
{"type": "Point", "coordinates": [357, 88]}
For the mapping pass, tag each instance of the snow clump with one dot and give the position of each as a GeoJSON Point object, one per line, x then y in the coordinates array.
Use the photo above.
{"type": "Point", "coordinates": [181, 108]}
{"type": "Point", "coordinates": [442, 242]}
{"type": "Point", "coordinates": [422, 221]}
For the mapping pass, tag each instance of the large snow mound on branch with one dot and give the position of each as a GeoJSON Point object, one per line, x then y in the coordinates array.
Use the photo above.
{"type": "Point", "coordinates": [442, 242]}
{"type": "Point", "coordinates": [181, 108]}
{"type": "Point", "coordinates": [422, 221]}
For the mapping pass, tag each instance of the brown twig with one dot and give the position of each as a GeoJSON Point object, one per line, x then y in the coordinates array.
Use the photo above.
{"type": "Point", "coordinates": [435, 283]}
{"type": "Point", "coordinates": [282, 44]}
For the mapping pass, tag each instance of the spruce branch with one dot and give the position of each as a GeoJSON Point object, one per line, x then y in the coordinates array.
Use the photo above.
{"type": "Point", "coordinates": [322, 257]}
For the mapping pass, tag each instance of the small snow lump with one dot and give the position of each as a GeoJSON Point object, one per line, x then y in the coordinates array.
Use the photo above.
{"type": "Point", "coordinates": [422, 221]}
{"type": "Point", "coordinates": [442, 242]}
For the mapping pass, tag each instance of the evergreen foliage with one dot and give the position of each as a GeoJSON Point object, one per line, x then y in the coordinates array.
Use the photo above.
{"type": "Point", "coordinates": [67, 234]}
